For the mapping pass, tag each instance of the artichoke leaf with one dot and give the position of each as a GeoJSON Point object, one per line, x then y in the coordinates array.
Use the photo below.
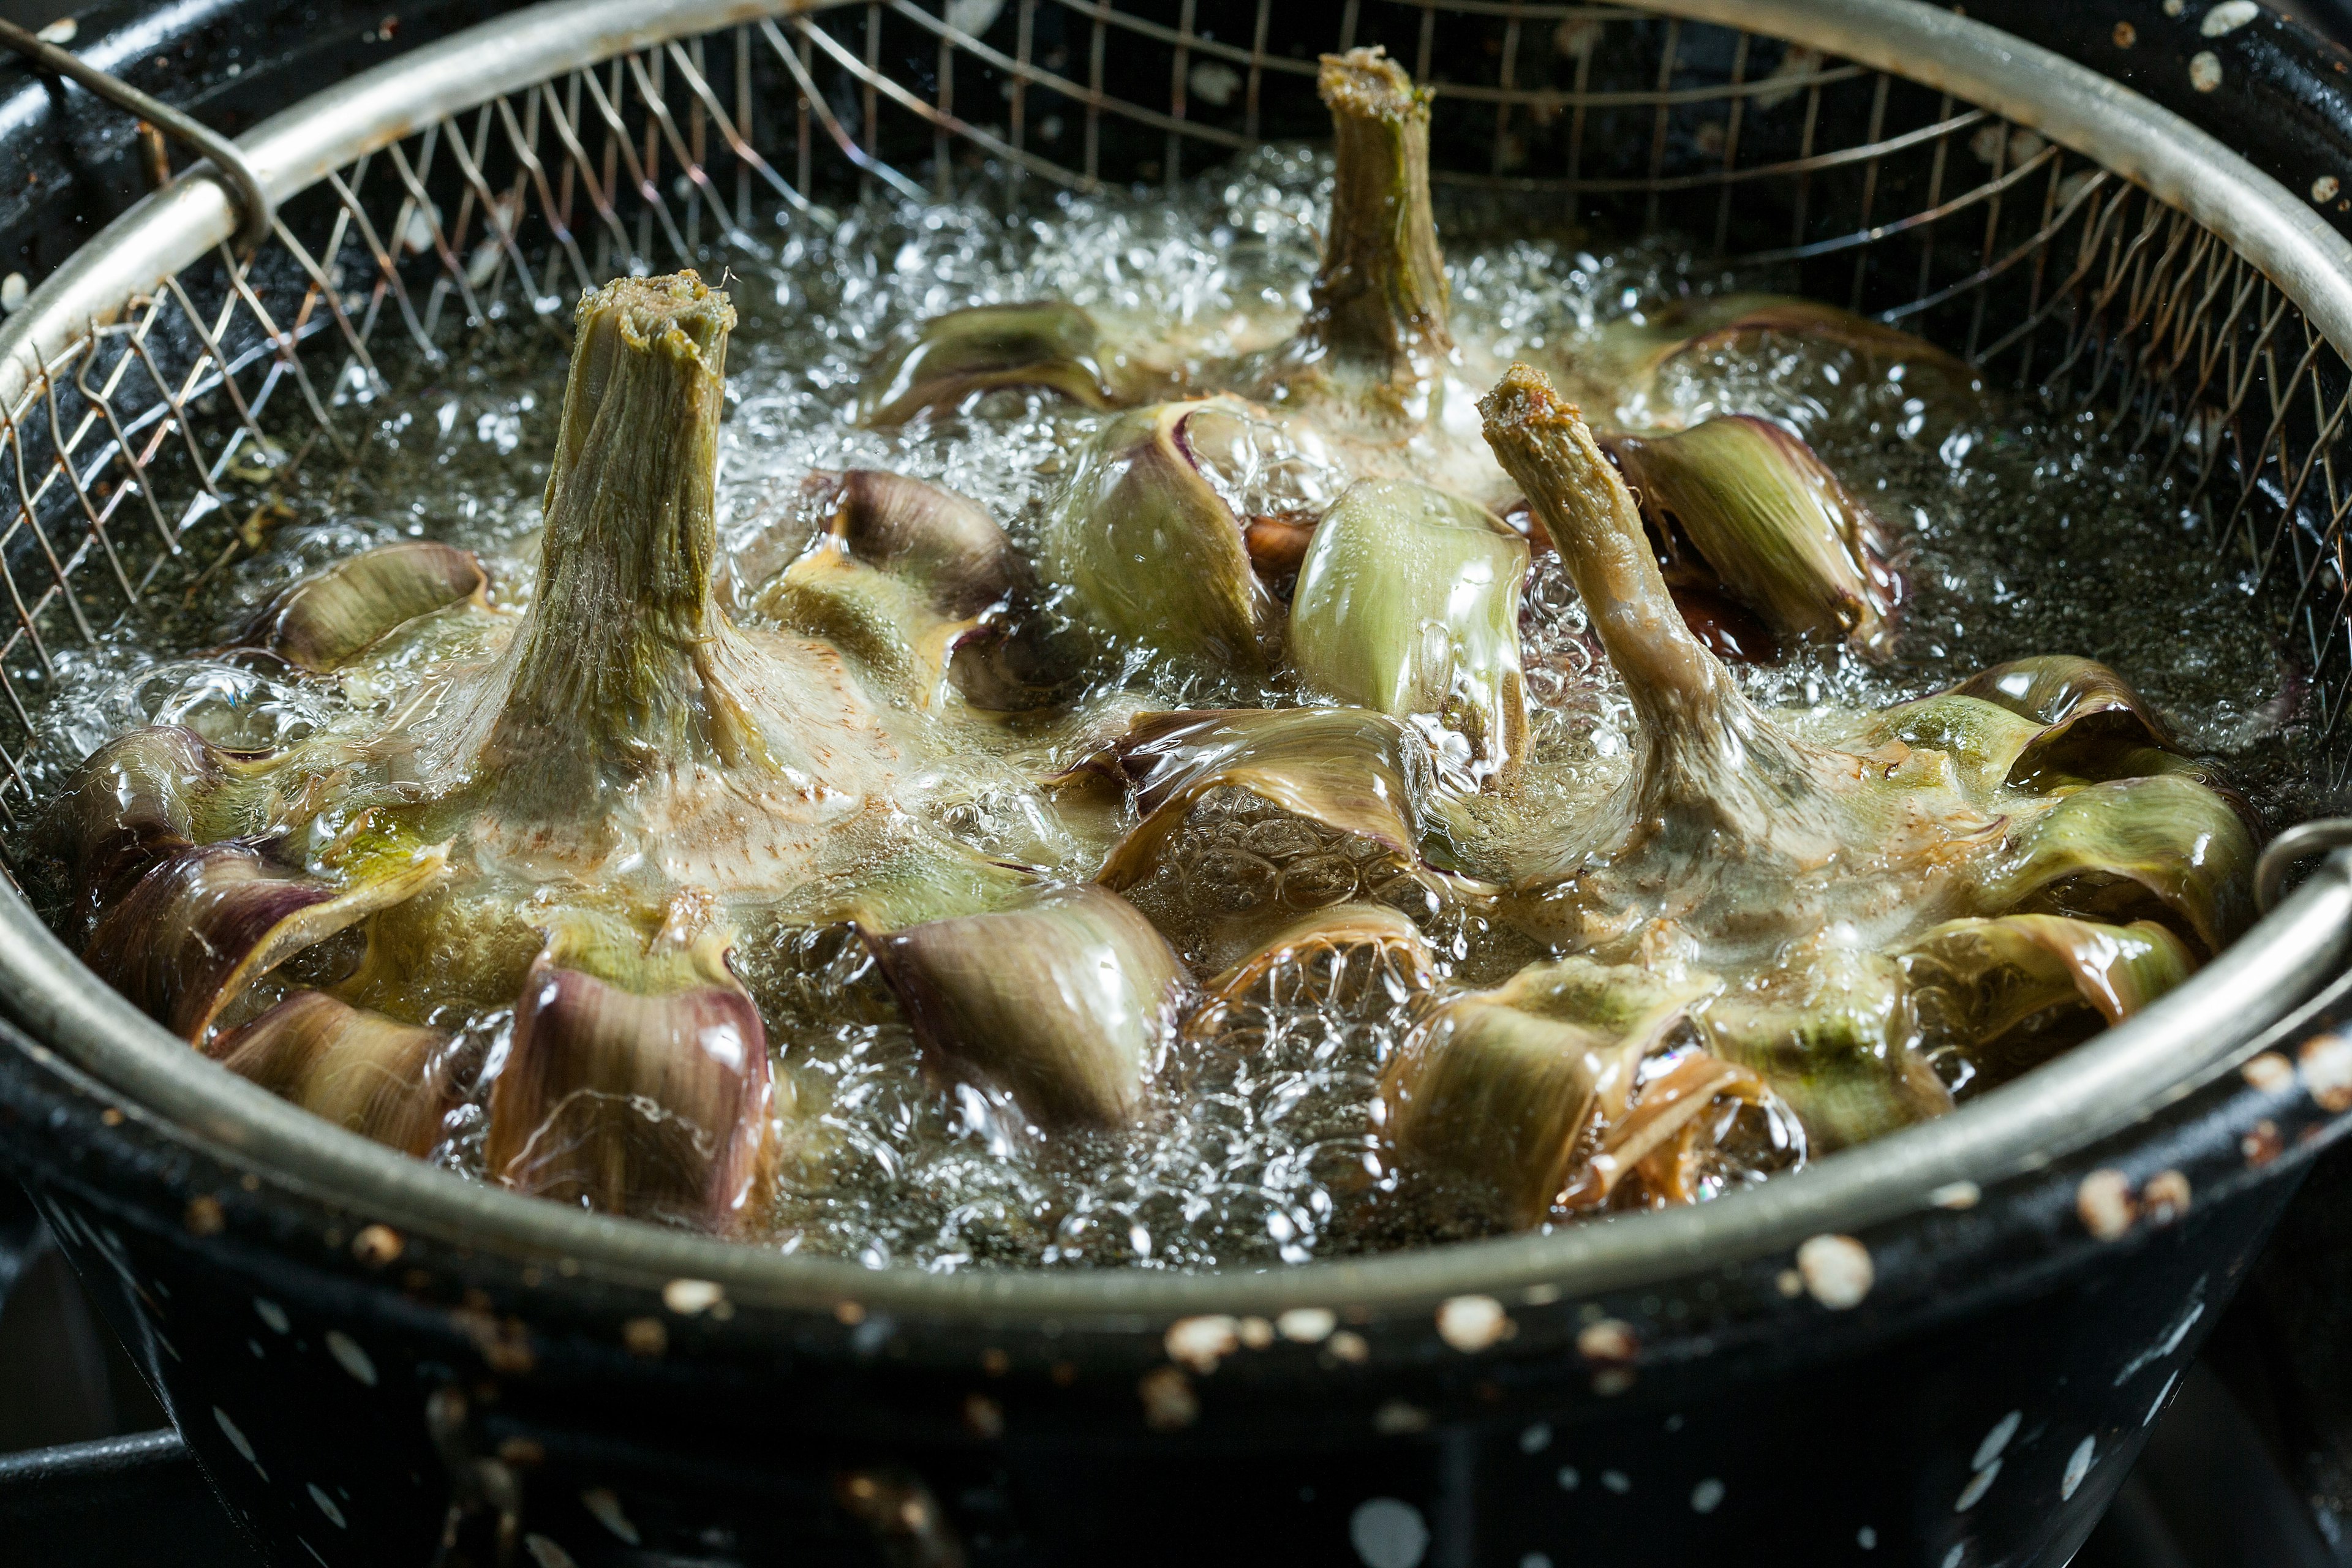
{"type": "Point", "coordinates": [1843, 1057]}
{"type": "Point", "coordinates": [1691, 331]}
{"type": "Point", "coordinates": [333, 616]}
{"type": "Point", "coordinates": [1408, 603]}
{"type": "Point", "coordinates": [1998, 973]}
{"type": "Point", "coordinates": [2111, 849]}
{"type": "Point", "coordinates": [1501, 1087]}
{"type": "Point", "coordinates": [378, 1076]}
{"type": "Point", "coordinates": [1771, 522]}
{"type": "Point", "coordinates": [892, 629]}
{"type": "Point", "coordinates": [1666, 1137]}
{"type": "Point", "coordinates": [142, 797]}
{"type": "Point", "coordinates": [205, 923]}
{"type": "Point", "coordinates": [945, 544]}
{"type": "Point", "coordinates": [639, 1080]}
{"type": "Point", "coordinates": [1983, 740]}
{"type": "Point", "coordinates": [1065, 997]}
{"type": "Point", "coordinates": [1347, 771]}
{"type": "Point", "coordinates": [1343, 957]}
{"type": "Point", "coordinates": [941, 361]}
{"type": "Point", "coordinates": [2094, 726]}
{"type": "Point", "coordinates": [1154, 552]}
{"type": "Point", "coordinates": [903, 576]}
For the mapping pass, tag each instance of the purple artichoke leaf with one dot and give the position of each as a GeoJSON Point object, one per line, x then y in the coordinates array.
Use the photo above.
{"type": "Point", "coordinates": [639, 1080]}
{"type": "Point", "coordinates": [382, 1079]}
{"type": "Point", "coordinates": [1067, 997]}
{"type": "Point", "coordinates": [2021, 987]}
{"type": "Point", "coordinates": [206, 921]}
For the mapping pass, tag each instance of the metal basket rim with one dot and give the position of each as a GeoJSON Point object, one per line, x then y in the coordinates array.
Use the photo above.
{"type": "Point", "coordinates": [2248, 995]}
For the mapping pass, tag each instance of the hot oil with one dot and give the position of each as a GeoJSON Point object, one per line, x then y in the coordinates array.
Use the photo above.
{"type": "Point", "coordinates": [2027, 529]}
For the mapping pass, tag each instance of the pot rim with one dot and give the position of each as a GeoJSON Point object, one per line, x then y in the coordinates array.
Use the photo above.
{"type": "Point", "coordinates": [2248, 995]}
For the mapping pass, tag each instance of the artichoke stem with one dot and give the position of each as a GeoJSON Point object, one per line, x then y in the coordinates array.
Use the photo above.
{"type": "Point", "coordinates": [620, 662]}
{"type": "Point", "coordinates": [1379, 296]}
{"type": "Point", "coordinates": [1706, 747]}
{"type": "Point", "coordinates": [1592, 520]}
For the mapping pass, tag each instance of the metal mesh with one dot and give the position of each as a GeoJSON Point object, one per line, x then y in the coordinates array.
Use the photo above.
{"type": "Point", "coordinates": [133, 468]}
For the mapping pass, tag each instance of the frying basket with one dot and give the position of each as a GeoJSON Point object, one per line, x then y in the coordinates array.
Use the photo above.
{"type": "Point", "coordinates": [2065, 235]}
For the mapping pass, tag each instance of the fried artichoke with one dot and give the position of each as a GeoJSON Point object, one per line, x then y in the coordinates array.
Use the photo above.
{"type": "Point", "coordinates": [522, 882]}
{"type": "Point", "coordinates": [578, 812]}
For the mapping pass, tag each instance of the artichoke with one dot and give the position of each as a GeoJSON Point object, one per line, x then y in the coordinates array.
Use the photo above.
{"type": "Point", "coordinates": [1802, 926]}
{"type": "Point", "coordinates": [1160, 554]}
{"type": "Point", "coordinates": [537, 871]}
{"type": "Point", "coordinates": [580, 811]}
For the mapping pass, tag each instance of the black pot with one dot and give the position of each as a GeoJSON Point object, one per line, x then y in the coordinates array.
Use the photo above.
{"type": "Point", "coordinates": [355, 1387]}
{"type": "Point", "coordinates": [374, 1364]}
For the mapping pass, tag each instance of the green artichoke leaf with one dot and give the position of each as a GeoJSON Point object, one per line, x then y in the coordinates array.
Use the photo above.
{"type": "Point", "coordinates": [944, 543]}
{"type": "Point", "coordinates": [1154, 552]}
{"type": "Point", "coordinates": [332, 616]}
{"type": "Point", "coordinates": [1996, 974]}
{"type": "Point", "coordinates": [891, 627]}
{"type": "Point", "coordinates": [1773, 522]}
{"type": "Point", "coordinates": [1983, 740]}
{"type": "Point", "coordinates": [939, 362]}
{"type": "Point", "coordinates": [1250, 816]}
{"type": "Point", "coordinates": [1068, 998]}
{"type": "Point", "coordinates": [1844, 1055]}
{"type": "Point", "coordinates": [2094, 726]}
{"type": "Point", "coordinates": [906, 579]}
{"type": "Point", "coordinates": [1347, 770]}
{"type": "Point", "coordinates": [1408, 603]}
{"type": "Point", "coordinates": [2163, 847]}
{"type": "Point", "coordinates": [1845, 1061]}
{"type": "Point", "coordinates": [1501, 1087]}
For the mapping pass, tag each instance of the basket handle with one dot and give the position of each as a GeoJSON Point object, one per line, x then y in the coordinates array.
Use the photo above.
{"type": "Point", "coordinates": [2290, 849]}
{"type": "Point", "coordinates": [256, 210]}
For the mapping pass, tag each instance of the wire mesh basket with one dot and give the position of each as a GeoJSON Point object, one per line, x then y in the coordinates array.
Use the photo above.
{"type": "Point", "coordinates": [158, 391]}
{"type": "Point", "coordinates": [126, 444]}
{"type": "Point", "coordinates": [122, 481]}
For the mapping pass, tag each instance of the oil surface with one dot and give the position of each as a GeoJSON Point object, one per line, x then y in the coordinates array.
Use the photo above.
{"type": "Point", "coordinates": [2025, 532]}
